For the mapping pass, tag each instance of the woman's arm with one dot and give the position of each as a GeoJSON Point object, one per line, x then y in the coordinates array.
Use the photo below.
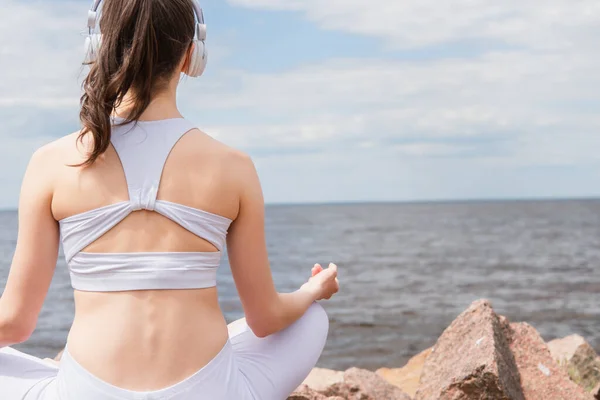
{"type": "Point", "coordinates": [35, 256]}
{"type": "Point", "coordinates": [267, 311]}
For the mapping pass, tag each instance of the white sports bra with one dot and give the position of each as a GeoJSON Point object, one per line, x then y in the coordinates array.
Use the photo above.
{"type": "Point", "coordinates": [143, 148]}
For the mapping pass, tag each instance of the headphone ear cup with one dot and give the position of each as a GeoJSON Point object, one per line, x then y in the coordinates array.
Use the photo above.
{"type": "Point", "coordinates": [197, 60]}
{"type": "Point", "coordinates": [91, 47]}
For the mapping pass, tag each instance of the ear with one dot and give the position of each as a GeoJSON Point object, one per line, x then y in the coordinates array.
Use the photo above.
{"type": "Point", "coordinates": [187, 58]}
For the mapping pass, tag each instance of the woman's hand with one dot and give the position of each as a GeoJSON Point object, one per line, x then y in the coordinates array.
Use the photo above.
{"type": "Point", "coordinates": [323, 283]}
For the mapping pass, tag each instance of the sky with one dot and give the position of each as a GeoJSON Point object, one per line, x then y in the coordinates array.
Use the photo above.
{"type": "Point", "coordinates": [352, 100]}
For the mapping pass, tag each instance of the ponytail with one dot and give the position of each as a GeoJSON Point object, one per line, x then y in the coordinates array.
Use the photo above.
{"type": "Point", "coordinates": [143, 42]}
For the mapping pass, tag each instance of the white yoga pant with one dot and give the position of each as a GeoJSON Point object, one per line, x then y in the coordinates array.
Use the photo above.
{"type": "Point", "coordinates": [247, 368]}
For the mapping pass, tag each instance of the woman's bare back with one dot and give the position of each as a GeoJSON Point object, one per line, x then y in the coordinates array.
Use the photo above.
{"type": "Point", "coordinates": [166, 335]}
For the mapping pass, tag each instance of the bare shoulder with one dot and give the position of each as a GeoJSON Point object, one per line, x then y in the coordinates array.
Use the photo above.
{"type": "Point", "coordinates": [57, 153]}
{"type": "Point", "coordinates": [220, 172]}
{"type": "Point", "coordinates": [232, 160]}
{"type": "Point", "coordinates": [45, 168]}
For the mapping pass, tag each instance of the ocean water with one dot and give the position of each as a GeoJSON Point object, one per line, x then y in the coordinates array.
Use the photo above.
{"type": "Point", "coordinates": [406, 271]}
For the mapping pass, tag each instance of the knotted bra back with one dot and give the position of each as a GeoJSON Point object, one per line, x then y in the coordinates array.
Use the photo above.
{"type": "Point", "coordinates": [143, 148]}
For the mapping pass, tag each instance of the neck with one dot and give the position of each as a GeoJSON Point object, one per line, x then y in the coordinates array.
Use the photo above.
{"type": "Point", "coordinates": [162, 106]}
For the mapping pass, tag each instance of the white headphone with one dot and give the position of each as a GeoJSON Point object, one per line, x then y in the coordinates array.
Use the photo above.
{"type": "Point", "coordinates": [199, 57]}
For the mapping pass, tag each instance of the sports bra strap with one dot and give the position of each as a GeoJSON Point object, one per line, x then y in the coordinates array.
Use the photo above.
{"type": "Point", "coordinates": [143, 148]}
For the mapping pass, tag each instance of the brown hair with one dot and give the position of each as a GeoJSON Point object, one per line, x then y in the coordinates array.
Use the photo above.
{"type": "Point", "coordinates": [143, 42]}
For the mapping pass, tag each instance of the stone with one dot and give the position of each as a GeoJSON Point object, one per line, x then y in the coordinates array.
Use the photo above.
{"type": "Point", "coordinates": [471, 360]}
{"type": "Point", "coordinates": [579, 359]}
{"type": "Point", "coordinates": [374, 385]}
{"type": "Point", "coordinates": [541, 377]}
{"type": "Point", "coordinates": [562, 350]}
{"type": "Point", "coordinates": [321, 378]}
{"type": "Point", "coordinates": [353, 384]}
{"type": "Point", "coordinates": [303, 392]}
{"type": "Point", "coordinates": [347, 391]}
{"type": "Point", "coordinates": [406, 378]}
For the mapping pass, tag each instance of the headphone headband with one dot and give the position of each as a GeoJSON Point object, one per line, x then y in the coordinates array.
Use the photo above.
{"type": "Point", "coordinates": [198, 11]}
{"type": "Point", "coordinates": [200, 30]}
{"type": "Point", "coordinates": [198, 58]}
{"type": "Point", "coordinates": [95, 5]}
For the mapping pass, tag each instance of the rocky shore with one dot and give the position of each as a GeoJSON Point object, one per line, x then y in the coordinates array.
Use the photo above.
{"type": "Point", "coordinates": [480, 356]}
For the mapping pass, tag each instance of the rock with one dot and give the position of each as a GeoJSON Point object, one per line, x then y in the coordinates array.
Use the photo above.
{"type": "Point", "coordinates": [347, 391]}
{"type": "Point", "coordinates": [562, 350]}
{"type": "Point", "coordinates": [305, 393]}
{"type": "Point", "coordinates": [354, 384]}
{"type": "Point", "coordinates": [480, 356]}
{"type": "Point", "coordinates": [374, 385]}
{"type": "Point", "coordinates": [471, 360]}
{"type": "Point", "coordinates": [321, 378]}
{"type": "Point", "coordinates": [541, 377]}
{"type": "Point", "coordinates": [406, 378]}
{"type": "Point", "coordinates": [579, 359]}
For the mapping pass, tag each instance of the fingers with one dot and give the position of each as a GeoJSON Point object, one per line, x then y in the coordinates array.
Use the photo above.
{"type": "Point", "coordinates": [328, 278]}
{"type": "Point", "coordinates": [316, 269]}
{"type": "Point", "coordinates": [331, 270]}
{"type": "Point", "coordinates": [336, 282]}
{"type": "Point", "coordinates": [331, 276]}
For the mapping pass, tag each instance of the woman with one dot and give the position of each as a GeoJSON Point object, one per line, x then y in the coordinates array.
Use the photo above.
{"type": "Point", "coordinates": [144, 203]}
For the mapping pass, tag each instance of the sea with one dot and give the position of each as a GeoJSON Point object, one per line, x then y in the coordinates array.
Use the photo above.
{"type": "Point", "coordinates": [406, 270]}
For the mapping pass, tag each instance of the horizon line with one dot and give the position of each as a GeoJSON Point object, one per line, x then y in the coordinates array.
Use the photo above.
{"type": "Point", "coordinates": [419, 201]}
{"type": "Point", "coordinates": [442, 200]}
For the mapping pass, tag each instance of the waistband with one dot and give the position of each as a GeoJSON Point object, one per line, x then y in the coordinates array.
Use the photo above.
{"type": "Point", "coordinates": [76, 383]}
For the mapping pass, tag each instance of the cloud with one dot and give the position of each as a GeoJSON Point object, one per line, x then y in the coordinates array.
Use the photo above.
{"type": "Point", "coordinates": [416, 23]}
{"type": "Point", "coordinates": [467, 103]}
{"type": "Point", "coordinates": [40, 61]}
{"type": "Point", "coordinates": [386, 126]}
{"type": "Point", "coordinates": [41, 48]}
